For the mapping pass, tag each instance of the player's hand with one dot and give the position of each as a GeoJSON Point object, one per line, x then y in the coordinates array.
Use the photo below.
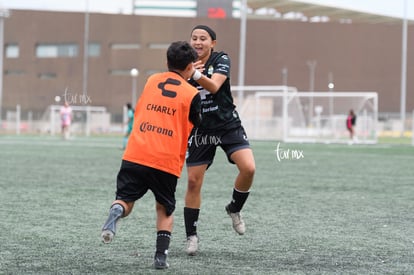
{"type": "Point", "coordinates": [198, 66]}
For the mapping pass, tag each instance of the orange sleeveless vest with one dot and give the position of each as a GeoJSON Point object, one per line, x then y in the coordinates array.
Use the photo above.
{"type": "Point", "coordinates": [161, 124]}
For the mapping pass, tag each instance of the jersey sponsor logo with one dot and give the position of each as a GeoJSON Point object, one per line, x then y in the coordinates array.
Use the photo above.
{"type": "Point", "coordinates": [206, 102]}
{"type": "Point", "coordinates": [210, 109]}
{"type": "Point", "coordinates": [225, 71]}
{"type": "Point", "coordinates": [169, 81]}
{"type": "Point", "coordinates": [161, 109]}
{"type": "Point", "coordinates": [148, 127]}
{"type": "Point", "coordinates": [223, 67]}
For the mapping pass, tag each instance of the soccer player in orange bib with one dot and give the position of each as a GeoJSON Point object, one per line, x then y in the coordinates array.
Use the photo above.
{"type": "Point", "coordinates": [166, 111]}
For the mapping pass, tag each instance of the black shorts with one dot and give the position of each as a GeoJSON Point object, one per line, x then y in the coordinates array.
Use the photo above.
{"type": "Point", "coordinates": [134, 180]}
{"type": "Point", "coordinates": [202, 145]}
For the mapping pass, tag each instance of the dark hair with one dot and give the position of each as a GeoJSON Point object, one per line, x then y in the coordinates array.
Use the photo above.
{"type": "Point", "coordinates": [179, 55]}
{"type": "Point", "coordinates": [129, 105]}
{"type": "Point", "coordinates": [207, 29]}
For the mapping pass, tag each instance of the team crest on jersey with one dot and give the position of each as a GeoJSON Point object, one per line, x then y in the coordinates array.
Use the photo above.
{"type": "Point", "coordinates": [210, 70]}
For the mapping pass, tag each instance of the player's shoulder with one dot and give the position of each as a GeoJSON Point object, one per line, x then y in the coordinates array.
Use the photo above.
{"type": "Point", "coordinates": [220, 55]}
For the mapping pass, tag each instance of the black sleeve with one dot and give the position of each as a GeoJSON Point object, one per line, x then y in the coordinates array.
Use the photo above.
{"type": "Point", "coordinates": [195, 110]}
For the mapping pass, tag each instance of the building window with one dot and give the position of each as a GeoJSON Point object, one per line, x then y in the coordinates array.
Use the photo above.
{"type": "Point", "coordinates": [13, 72]}
{"type": "Point", "coordinates": [125, 72]}
{"type": "Point", "coordinates": [56, 50]}
{"type": "Point", "coordinates": [158, 46]}
{"type": "Point", "coordinates": [125, 46]}
{"type": "Point", "coordinates": [47, 75]}
{"type": "Point", "coordinates": [94, 49]}
{"type": "Point", "coordinates": [12, 51]}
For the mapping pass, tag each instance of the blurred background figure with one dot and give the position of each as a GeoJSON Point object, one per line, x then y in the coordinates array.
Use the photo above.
{"type": "Point", "coordinates": [130, 122]}
{"type": "Point", "coordinates": [350, 124]}
{"type": "Point", "coordinates": [66, 119]}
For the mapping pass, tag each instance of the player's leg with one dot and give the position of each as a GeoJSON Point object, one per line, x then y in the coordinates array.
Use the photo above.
{"type": "Point", "coordinates": [354, 135]}
{"type": "Point", "coordinates": [199, 158]}
{"type": "Point", "coordinates": [195, 182]}
{"type": "Point", "coordinates": [351, 132]}
{"type": "Point", "coordinates": [164, 229]}
{"type": "Point", "coordinates": [245, 163]}
{"type": "Point", "coordinates": [63, 131]}
{"type": "Point", "coordinates": [126, 137]}
{"type": "Point", "coordinates": [163, 186]}
{"type": "Point", "coordinates": [67, 131]}
{"type": "Point", "coordinates": [192, 206]}
{"type": "Point", "coordinates": [237, 148]}
{"type": "Point", "coordinates": [129, 188]}
{"type": "Point", "coordinates": [124, 141]}
{"type": "Point", "coordinates": [119, 209]}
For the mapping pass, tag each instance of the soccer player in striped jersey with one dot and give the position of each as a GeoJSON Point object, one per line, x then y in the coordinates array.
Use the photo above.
{"type": "Point", "coordinates": [220, 127]}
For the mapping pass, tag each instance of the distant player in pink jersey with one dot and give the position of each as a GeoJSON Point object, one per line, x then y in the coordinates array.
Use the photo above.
{"type": "Point", "coordinates": [350, 123]}
{"type": "Point", "coordinates": [66, 119]}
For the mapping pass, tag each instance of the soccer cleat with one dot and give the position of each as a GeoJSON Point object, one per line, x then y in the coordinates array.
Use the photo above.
{"type": "Point", "coordinates": [192, 245]}
{"type": "Point", "coordinates": [238, 223]}
{"type": "Point", "coordinates": [107, 236]}
{"type": "Point", "coordinates": [109, 228]}
{"type": "Point", "coordinates": [160, 261]}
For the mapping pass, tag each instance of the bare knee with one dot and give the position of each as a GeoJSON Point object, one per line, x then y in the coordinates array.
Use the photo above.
{"type": "Point", "coordinates": [195, 178]}
{"type": "Point", "coordinates": [193, 193]}
{"type": "Point", "coordinates": [194, 184]}
{"type": "Point", "coordinates": [249, 170]}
